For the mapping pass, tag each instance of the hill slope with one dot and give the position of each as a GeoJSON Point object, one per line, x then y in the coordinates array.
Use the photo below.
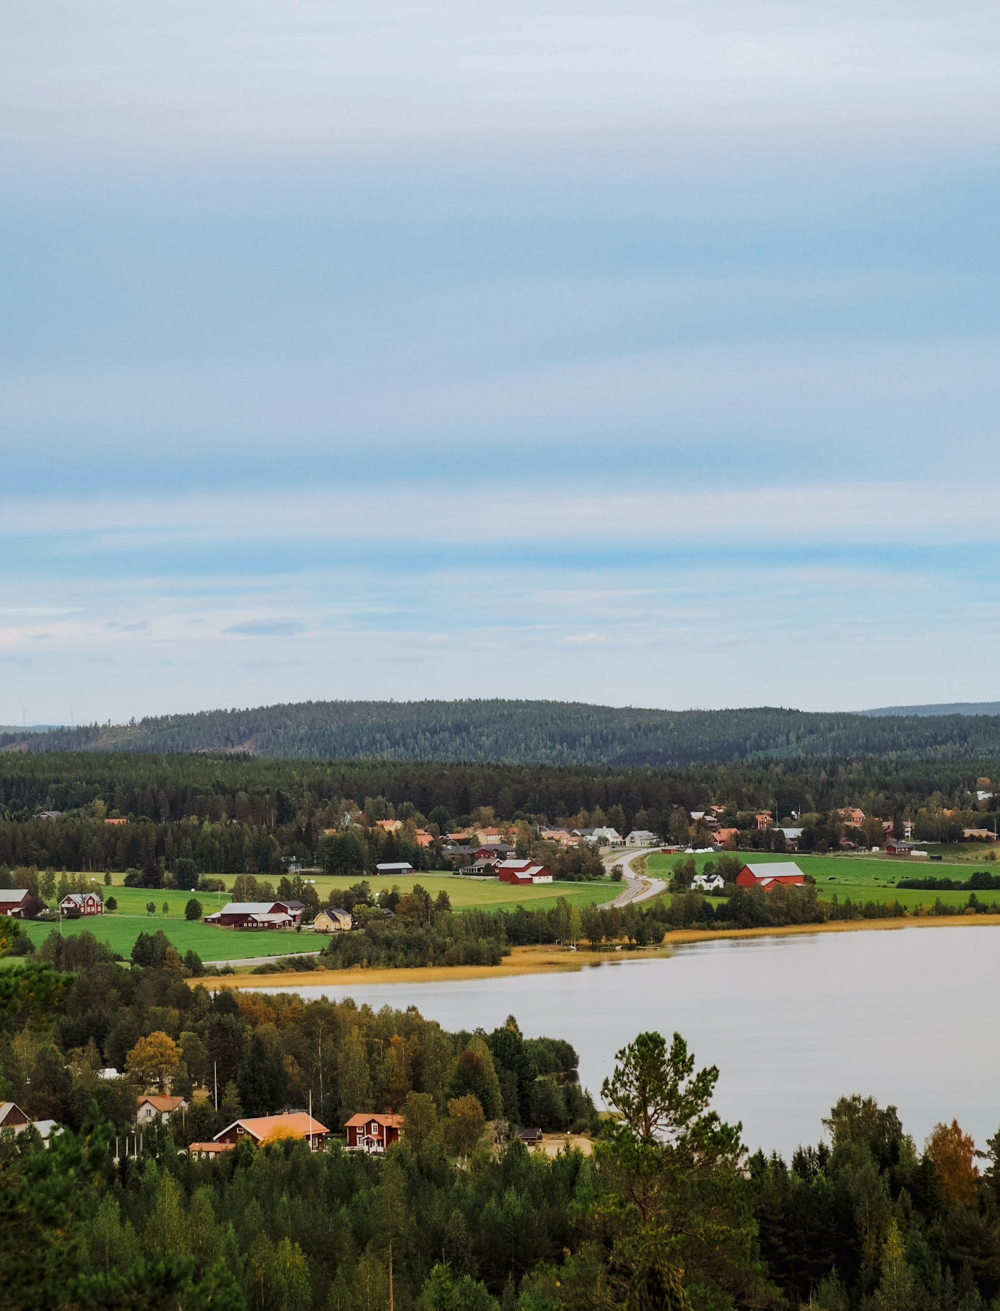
{"type": "Point", "coordinates": [940, 708]}
{"type": "Point", "coordinates": [537, 732]}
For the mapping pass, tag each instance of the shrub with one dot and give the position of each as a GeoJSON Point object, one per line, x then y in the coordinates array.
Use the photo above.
{"type": "Point", "coordinates": [192, 911]}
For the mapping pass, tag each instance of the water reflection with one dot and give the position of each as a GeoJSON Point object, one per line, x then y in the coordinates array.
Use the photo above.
{"type": "Point", "coordinates": [908, 1016]}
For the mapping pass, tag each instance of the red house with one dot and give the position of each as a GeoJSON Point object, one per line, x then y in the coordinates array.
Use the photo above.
{"type": "Point", "coordinates": [11, 1116]}
{"type": "Point", "coordinates": [769, 876]}
{"type": "Point", "coordinates": [372, 1133]}
{"type": "Point", "coordinates": [87, 903]}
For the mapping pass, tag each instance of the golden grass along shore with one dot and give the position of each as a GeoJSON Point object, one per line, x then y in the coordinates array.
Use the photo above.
{"type": "Point", "coordinates": [549, 959]}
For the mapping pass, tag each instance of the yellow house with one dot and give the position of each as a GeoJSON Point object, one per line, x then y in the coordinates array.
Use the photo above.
{"type": "Point", "coordinates": [332, 921]}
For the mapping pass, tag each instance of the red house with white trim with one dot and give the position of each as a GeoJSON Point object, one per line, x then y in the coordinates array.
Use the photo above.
{"type": "Point", "coordinates": [769, 876]}
{"type": "Point", "coordinates": [87, 903]}
{"type": "Point", "coordinates": [372, 1132]}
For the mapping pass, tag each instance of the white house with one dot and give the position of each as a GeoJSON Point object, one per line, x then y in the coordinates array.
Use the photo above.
{"type": "Point", "coordinates": [608, 837]}
{"type": "Point", "coordinates": [708, 883]}
{"type": "Point", "coordinates": [640, 837]}
{"type": "Point", "coordinates": [158, 1108]}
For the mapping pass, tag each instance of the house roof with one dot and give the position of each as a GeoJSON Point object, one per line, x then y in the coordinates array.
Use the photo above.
{"type": "Point", "coordinates": [14, 894]}
{"type": "Point", "coordinates": [251, 907]}
{"type": "Point", "coordinates": [165, 1105]}
{"type": "Point", "coordinates": [387, 1121]}
{"type": "Point", "coordinates": [78, 898]}
{"type": "Point", "coordinates": [777, 869]}
{"type": "Point", "coordinates": [7, 1107]}
{"type": "Point", "coordinates": [44, 1127]}
{"type": "Point", "coordinates": [212, 1148]}
{"type": "Point", "coordinates": [301, 1123]}
{"type": "Point", "coordinates": [400, 865]}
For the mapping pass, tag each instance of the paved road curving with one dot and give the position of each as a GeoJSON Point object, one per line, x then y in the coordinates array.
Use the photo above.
{"type": "Point", "coordinates": [638, 887]}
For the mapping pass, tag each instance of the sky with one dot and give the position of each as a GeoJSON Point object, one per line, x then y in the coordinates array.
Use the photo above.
{"type": "Point", "coordinates": [638, 353]}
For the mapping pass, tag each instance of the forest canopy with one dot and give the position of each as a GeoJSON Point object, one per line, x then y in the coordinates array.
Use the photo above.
{"type": "Point", "coordinates": [531, 732]}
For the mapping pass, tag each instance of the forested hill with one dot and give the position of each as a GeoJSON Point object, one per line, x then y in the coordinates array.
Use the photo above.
{"type": "Point", "coordinates": [531, 732]}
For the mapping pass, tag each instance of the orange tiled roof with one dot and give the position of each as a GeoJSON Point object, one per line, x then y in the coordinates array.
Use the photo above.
{"type": "Point", "coordinates": [165, 1105]}
{"type": "Point", "coordinates": [300, 1122]}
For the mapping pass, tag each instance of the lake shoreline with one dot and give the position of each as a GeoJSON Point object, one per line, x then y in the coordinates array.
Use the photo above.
{"type": "Point", "coordinates": [550, 960]}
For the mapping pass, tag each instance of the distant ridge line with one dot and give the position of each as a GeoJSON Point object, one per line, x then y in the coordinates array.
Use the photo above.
{"type": "Point", "coordinates": [990, 708]}
{"type": "Point", "coordinates": [560, 733]}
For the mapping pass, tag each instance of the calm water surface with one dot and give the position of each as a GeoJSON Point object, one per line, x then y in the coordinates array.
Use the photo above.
{"type": "Point", "coordinates": [910, 1017]}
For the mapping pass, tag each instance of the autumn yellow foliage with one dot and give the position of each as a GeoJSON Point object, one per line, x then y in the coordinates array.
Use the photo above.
{"type": "Point", "coordinates": [953, 1155]}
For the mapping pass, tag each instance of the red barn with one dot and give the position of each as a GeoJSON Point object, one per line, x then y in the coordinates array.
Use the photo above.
{"type": "Point", "coordinates": [769, 876]}
{"type": "Point", "coordinates": [14, 902]}
{"type": "Point", "coordinates": [253, 915]}
{"type": "Point", "coordinates": [522, 872]}
{"type": "Point", "coordinates": [372, 1132]}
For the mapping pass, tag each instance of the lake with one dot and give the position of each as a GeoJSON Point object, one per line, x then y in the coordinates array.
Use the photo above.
{"type": "Point", "coordinates": [793, 1023]}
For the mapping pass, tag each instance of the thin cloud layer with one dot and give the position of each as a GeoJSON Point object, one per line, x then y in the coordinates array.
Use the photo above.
{"type": "Point", "coordinates": [627, 353]}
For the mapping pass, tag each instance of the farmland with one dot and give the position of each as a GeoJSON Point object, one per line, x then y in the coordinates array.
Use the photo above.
{"type": "Point", "coordinates": [120, 930]}
{"type": "Point", "coordinates": [860, 878]}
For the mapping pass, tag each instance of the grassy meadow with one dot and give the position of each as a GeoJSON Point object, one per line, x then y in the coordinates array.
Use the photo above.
{"type": "Point", "coordinates": [862, 878]}
{"type": "Point", "coordinates": [120, 929]}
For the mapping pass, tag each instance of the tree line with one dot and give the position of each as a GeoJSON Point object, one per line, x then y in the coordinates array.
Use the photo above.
{"type": "Point", "coordinates": [241, 815]}
{"type": "Point", "coordinates": [543, 732]}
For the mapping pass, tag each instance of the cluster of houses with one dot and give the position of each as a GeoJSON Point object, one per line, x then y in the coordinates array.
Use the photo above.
{"type": "Point", "coordinates": [370, 1132]}
{"type": "Point", "coordinates": [15, 903]}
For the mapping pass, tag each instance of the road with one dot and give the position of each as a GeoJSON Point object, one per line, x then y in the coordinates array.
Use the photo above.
{"type": "Point", "coordinates": [638, 887]}
{"type": "Point", "coordinates": [260, 960]}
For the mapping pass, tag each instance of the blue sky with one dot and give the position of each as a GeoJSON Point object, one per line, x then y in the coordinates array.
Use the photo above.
{"type": "Point", "coordinates": [633, 353]}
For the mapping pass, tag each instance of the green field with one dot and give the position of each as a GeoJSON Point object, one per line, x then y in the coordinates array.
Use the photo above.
{"type": "Point", "coordinates": [120, 929]}
{"type": "Point", "coordinates": [859, 877]}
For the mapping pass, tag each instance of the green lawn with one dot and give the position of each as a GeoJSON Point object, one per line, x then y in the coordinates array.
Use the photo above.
{"type": "Point", "coordinates": [120, 932]}
{"type": "Point", "coordinates": [487, 894]}
{"type": "Point", "coordinates": [861, 878]}
{"type": "Point", "coordinates": [121, 928]}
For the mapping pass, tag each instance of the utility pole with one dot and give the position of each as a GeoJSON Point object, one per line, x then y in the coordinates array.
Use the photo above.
{"type": "Point", "coordinates": [322, 1103]}
{"type": "Point", "coordinates": [215, 1066]}
{"type": "Point", "coordinates": [391, 1307]}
